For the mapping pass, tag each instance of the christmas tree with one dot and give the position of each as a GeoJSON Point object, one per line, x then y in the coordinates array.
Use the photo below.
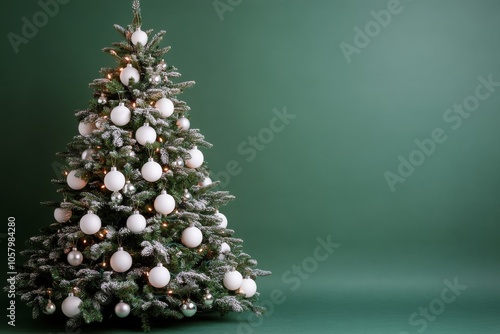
{"type": "Point", "coordinates": [138, 232]}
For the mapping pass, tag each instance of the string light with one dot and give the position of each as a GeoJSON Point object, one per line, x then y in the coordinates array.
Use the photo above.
{"type": "Point", "coordinates": [66, 173]}
{"type": "Point", "coordinates": [127, 59]}
{"type": "Point", "coordinates": [103, 187]}
{"type": "Point", "coordinates": [170, 292]}
{"type": "Point", "coordinates": [113, 52]}
{"type": "Point", "coordinates": [150, 209]}
{"type": "Point", "coordinates": [133, 105]}
{"type": "Point", "coordinates": [110, 75]}
{"type": "Point", "coordinates": [160, 139]}
{"type": "Point", "coordinates": [164, 224]}
{"type": "Point", "coordinates": [121, 69]}
{"type": "Point", "coordinates": [165, 169]}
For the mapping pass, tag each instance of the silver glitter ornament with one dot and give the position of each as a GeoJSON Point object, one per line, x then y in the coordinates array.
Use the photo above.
{"type": "Point", "coordinates": [188, 308]}
{"type": "Point", "coordinates": [116, 197]}
{"type": "Point", "coordinates": [50, 308]}
{"type": "Point", "coordinates": [122, 309]}
{"type": "Point", "coordinates": [186, 196]}
{"type": "Point", "coordinates": [87, 154]}
{"type": "Point", "coordinates": [128, 189]}
{"type": "Point", "coordinates": [102, 99]}
{"type": "Point", "coordinates": [208, 299]}
{"type": "Point", "coordinates": [75, 257]}
{"type": "Point", "coordinates": [178, 163]}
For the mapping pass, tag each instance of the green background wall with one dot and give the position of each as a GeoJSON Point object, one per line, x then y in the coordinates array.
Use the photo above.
{"type": "Point", "coordinates": [323, 174]}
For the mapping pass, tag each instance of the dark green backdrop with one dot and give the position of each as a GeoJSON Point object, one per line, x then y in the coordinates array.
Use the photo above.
{"type": "Point", "coordinates": [322, 173]}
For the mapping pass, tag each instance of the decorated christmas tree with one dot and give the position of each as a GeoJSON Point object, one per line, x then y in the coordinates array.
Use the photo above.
{"type": "Point", "coordinates": [138, 230]}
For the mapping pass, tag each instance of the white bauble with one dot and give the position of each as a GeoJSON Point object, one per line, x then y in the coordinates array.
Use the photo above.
{"type": "Point", "coordinates": [74, 182]}
{"type": "Point", "coordinates": [86, 129]}
{"type": "Point", "coordinates": [90, 223]}
{"type": "Point", "coordinates": [145, 134]}
{"type": "Point", "coordinates": [165, 106]}
{"type": "Point", "coordinates": [71, 305]}
{"type": "Point", "coordinates": [192, 237]}
{"type": "Point", "coordinates": [136, 222]}
{"type": "Point", "coordinates": [151, 171]}
{"type": "Point", "coordinates": [223, 218]}
{"type": "Point", "coordinates": [62, 215]}
{"type": "Point", "coordinates": [248, 287]}
{"type": "Point", "coordinates": [120, 115]}
{"type": "Point", "coordinates": [114, 180]}
{"type": "Point", "coordinates": [129, 73]}
{"type": "Point", "coordinates": [183, 123]}
{"type": "Point", "coordinates": [205, 182]}
{"type": "Point", "coordinates": [232, 280]}
{"type": "Point", "coordinates": [159, 276]}
{"type": "Point", "coordinates": [164, 203]}
{"type": "Point", "coordinates": [122, 309]}
{"type": "Point", "coordinates": [75, 257]}
{"type": "Point", "coordinates": [225, 248]}
{"type": "Point", "coordinates": [196, 159]}
{"type": "Point", "coordinates": [120, 261]}
{"type": "Point", "coordinates": [139, 36]}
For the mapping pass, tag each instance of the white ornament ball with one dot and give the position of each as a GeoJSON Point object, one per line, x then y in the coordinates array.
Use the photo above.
{"type": "Point", "coordinates": [114, 180]}
{"type": "Point", "coordinates": [120, 261]}
{"type": "Point", "coordinates": [164, 203]}
{"type": "Point", "coordinates": [71, 305]}
{"type": "Point", "coordinates": [232, 280]}
{"type": "Point", "coordinates": [75, 257]}
{"type": "Point", "coordinates": [192, 237]}
{"type": "Point", "coordinates": [139, 36]}
{"type": "Point", "coordinates": [74, 182]}
{"type": "Point", "coordinates": [90, 223]}
{"type": "Point", "coordinates": [205, 182]}
{"type": "Point", "coordinates": [223, 218]}
{"type": "Point", "coordinates": [159, 276]}
{"type": "Point", "coordinates": [196, 159]}
{"type": "Point", "coordinates": [62, 215]}
{"type": "Point", "coordinates": [87, 154]}
{"type": "Point", "coordinates": [120, 115]}
{"type": "Point", "coordinates": [129, 73]}
{"type": "Point", "coordinates": [145, 134]}
{"type": "Point", "coordinates": [183, 123]}
{"type": "Point", "coordinates": [165, 106]}
{"type": "Point", "coordinates": [248, 287]}
{"type": "Point", "coordinates": [86, 129]}
{"type": "Point", "coordinates": [225, 248]}
{"type": "Point", "coordinates": [122, 309]}
{"type": "Point", "coordinates": [136, 222]}
{"type": "Point", "coordinates": [151, 171]}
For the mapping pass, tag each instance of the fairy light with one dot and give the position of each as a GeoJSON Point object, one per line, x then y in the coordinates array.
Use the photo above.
{"type": "Point", "coordinates": [157, 149]}
{"type": "Point", "coordinates": [165, 169]}
{"type": "Point", "coordinates": [66, 173]}
{"type": "Point", "coordinates": [164, 224]}
{"type": "Point", "coordinates": [160, 139]}
{"type": "Point", "coordinates": [133, 104]}
{"type": "Point", "coordinates": [113, 52]}
{"type": "Point", "coordinates": [121, 69]}
{"type": "Point", "coordinates": [103, 187]}
{"type": "Point", "coordinates": [170, 292]}
{"type": "Point", "coordinates": [127, 59]}
{"type": "Point", "coordinates": [110, 76]}
{"type": "Point", "coordinates": [150, 209]}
